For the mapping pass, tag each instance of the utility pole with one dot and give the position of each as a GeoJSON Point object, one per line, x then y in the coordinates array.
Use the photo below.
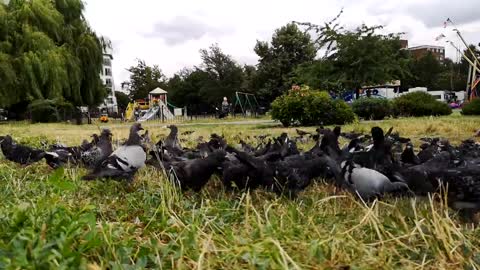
{"type": "Point", "coordinates": [473, 69]}
{"type": "Point", "coordinates": [466, 97]}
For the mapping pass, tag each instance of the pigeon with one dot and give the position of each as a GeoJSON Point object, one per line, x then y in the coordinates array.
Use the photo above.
{"type": "Point", "coordinates": [369, 184]}
{"type": "Point", "coordinates": [18, 153]}
{"type": "Point", "coordinates": [96, 154]}
{"type": "Point", "coordinates": [171, 142]}
{"type": "Point", "coordinates": [408, 155]}
{"type": "Point", "coordinates": [188, 132]}
{"type": "Point", "coordinates": [246, 147]}
{"type": "Point", "coordinates": [194, 174]}
{"type": "Point", "coordinates": [302, 133]}
{"type": "Point", "coordinates": [57, 155]}
{"type": "Point", "coordinates": [124, 162]}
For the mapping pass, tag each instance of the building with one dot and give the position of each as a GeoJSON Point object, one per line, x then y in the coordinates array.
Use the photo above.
{"type": "Point", "coordinates": [404, 43]}
{"type": "Point", "coordinates": [420, 51]}
{"type": "Point", "coordinates": [110, 103]}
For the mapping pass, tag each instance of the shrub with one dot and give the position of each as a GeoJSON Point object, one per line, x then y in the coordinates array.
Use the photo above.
{"type": "Point", "coordinates": [45, 110]}
{"type": "Point", "coordinates": [419, 104]}
{"type": "Point", "coordinates": [308, 107]}
{"type": "Point", "coordinates": [472, 107]}
{"type": "Point", "coordinates": [372, 108]}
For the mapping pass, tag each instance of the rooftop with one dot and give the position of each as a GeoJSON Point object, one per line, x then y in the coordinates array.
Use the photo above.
{"type": "Point", "coordinates": [426, 47]}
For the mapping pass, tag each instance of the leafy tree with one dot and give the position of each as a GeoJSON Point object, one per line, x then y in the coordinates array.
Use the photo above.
{"type": "Point", "coordinates": [184, 89]}
{"type": "Point", "coordinates": [225, 75]}
{"type": "Point", "coordinates": [144, 78]}
{"type": "Point", "coordinates": [122, 100]}
{"type": "Point", "coordinates": [355, 58]}
{"type": "Point", "coordinates": [48, 51]}
{"type": "Point", "coordinates": [425, 71]}
{"type": "Point", "coordinates": [288, 48]}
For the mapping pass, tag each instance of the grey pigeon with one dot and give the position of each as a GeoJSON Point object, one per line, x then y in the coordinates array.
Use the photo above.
{"type": "Point", "coordinates": [124, 162]}
{"type": "Point", "coordinates": [369, 184]}
{"type": "Point", "coordinates": [94, 156]}
{"type": "Point", "coordinates": [18, 153]}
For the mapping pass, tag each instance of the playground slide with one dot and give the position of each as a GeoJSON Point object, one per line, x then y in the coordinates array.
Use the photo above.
{"type": "Point", "coordinates": [150, 114]}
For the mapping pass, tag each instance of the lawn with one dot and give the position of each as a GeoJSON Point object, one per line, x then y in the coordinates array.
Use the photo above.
{"type": "Point", "coordinates": [52, 220]}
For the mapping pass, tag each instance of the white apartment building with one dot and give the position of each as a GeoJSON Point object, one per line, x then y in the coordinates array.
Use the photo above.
{"type": "Point", "coordinates": [110, 103]}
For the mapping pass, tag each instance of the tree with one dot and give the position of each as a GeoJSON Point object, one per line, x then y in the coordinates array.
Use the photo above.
{"type": "Point", "coordinates": [144, 79]}
{"type": "Point", "coordinates": [184, 89]}
{"type": "Point", "coordinates": [289, 48]}
{"type": "Point", "coordinates": [225, 75]}
{"type": "Point", "coordinates": [424, 72]}
{"type": "Point", "coordinates": [359, 57]}
{"type": "Point", "coordinates": [122, 100]}
{"type": "Point", "coordinates": [48, 52]}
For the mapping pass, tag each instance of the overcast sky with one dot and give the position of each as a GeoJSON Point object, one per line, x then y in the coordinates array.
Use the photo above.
{"type": "Point", "coordinates": [171, 33]}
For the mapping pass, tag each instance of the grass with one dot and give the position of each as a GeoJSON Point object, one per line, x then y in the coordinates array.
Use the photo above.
{"type": "Point", "coordinates": [52, 220]}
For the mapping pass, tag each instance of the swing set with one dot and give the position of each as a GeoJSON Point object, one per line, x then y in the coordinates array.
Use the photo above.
{"type": "Point", "coordinates": [247, 103]}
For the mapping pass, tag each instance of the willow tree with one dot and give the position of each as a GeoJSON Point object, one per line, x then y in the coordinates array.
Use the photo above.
{"type": "Point", "coordinates": [48, 52]}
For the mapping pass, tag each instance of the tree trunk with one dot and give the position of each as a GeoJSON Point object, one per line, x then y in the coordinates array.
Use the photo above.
{"type": "Point", "coordinates": [357, 92]}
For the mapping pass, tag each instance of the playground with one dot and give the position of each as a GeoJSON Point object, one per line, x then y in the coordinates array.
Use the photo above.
{"type": "Point", "coordinates": [157, 107]}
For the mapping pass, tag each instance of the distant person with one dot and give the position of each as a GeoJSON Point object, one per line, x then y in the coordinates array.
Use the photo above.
{"type": "Point", "coordinates": [225, 108]}
{"type": "Point", "coordinates": [136, 114]}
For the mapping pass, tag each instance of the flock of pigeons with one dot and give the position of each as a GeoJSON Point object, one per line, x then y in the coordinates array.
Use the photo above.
{"type": "Point", "coordinates": [370, 165]}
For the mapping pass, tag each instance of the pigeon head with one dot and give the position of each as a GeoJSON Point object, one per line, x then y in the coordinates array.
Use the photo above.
{"type": "Point", "coordinates": [95, 138]}
{"type": "Point", "coordinates": [173, 128]}
{"type": "Point", "coordinates": [377, 134]}
{"type": "Point", "coordinates": [105, 135]}
{"type": "Point", "coordinates": [337, 131]}
{"type": "Point", "coordinates": [134, 138]}
{"type": "Point", "coordinates": [136, 127]}
{"type": "Point", "coordinates": [6, 140]}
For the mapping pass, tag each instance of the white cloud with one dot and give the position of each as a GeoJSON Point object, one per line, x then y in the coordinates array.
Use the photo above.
{"type": "Point", "coordinates": [171, 33]}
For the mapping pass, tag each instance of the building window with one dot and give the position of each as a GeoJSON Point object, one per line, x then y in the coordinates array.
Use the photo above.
{"type": "Point", "coordinates": [108, 72]}
{"type": "Point", "coordinates": [108, 82]}
{"type": "Point", "coordinates": [107, 62]}
{"type": "Point", "coordinates": [437, 96]}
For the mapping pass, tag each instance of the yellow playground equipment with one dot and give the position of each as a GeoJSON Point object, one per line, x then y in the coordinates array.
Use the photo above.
{"type": "Point", "coordinates": [129, 113]}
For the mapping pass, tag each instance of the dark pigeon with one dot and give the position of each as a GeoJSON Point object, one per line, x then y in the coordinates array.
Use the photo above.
{"type": "Point", "coordinates": [96, 154]}
{"type": "Point", "coordinates": [18, 153]}
{"type": "Point", "coordinates": [194, 174]}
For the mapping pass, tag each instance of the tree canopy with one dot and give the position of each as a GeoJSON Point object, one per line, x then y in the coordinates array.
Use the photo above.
{"type": "Point", "coordinates": [144, 78]}
{"type": "Point", "coordinates": [288, 48]}
{"type": "Point", "coordinates": [354, 58]}
{"type": "Point", "coordinates": [48, 51]}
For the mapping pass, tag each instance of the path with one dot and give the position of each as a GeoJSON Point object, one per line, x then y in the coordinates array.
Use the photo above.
{"type": "Point", "coordinates": [247, 122]}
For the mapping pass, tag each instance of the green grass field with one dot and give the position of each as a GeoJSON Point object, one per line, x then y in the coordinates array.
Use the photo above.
{"type": "Point", "coordinates": [53, 220]}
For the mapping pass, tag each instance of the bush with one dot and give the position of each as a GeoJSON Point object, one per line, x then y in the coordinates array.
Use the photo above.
{"type": "Point", "coordinates": [307, 107]}
{"type": "Point", "coordinates": [419, 104]}
{"type": "Point", "coordinates": [372, 108]}
{"type": "Point", "coordinates": [472, 107]}
{"type": "Point", "coordinates": [44, 111]}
